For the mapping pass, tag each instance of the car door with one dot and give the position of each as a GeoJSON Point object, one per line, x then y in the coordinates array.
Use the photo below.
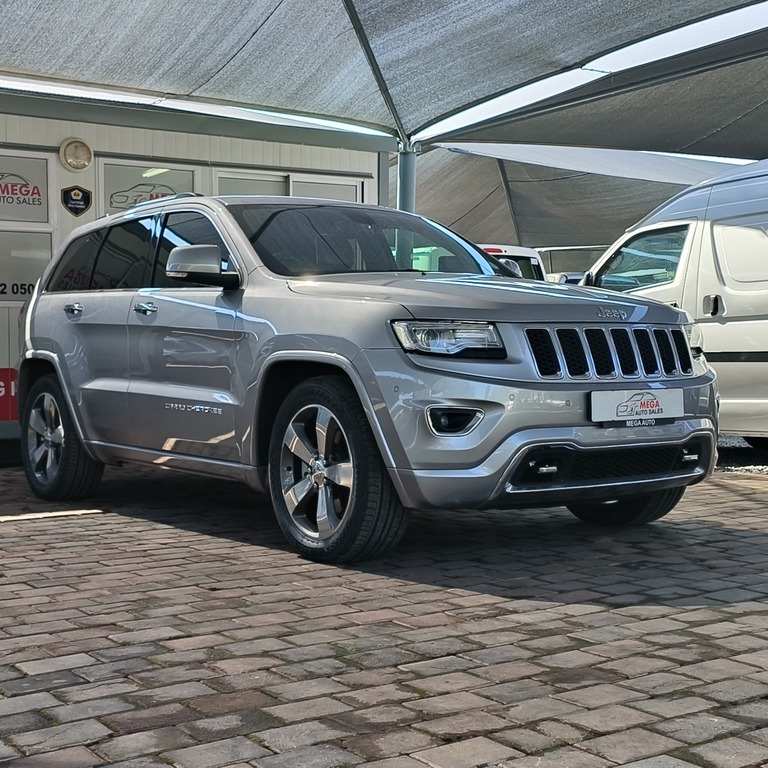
{"type": "Point", "coordinates": [654, 263]}
{"type": "Point", "coordinates": [732, 312]}
{"type": "Point", "coordinates": [182, 348]}
{"type": "Point", "coordinates": [88, 299]}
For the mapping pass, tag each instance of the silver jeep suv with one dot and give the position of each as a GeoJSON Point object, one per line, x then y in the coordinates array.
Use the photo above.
{"type": "Point", "coordinates": [356, 362]}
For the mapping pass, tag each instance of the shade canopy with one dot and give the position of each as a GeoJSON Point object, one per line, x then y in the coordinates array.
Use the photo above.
{"type": "Point", "coordinates": [499, 201]}
{"type": "Point", "coordinates": [396, 65]}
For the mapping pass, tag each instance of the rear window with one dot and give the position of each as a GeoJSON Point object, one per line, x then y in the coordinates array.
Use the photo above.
{"type": "Point", "coordinates": [73, 272]}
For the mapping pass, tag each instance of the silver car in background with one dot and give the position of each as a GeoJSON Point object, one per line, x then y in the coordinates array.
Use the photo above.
{"type": "Point", "coordinates": [355, 362]}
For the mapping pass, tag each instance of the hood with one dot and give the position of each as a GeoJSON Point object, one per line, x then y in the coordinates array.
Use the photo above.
{"type": "Point", "coordinates": [482, 297]}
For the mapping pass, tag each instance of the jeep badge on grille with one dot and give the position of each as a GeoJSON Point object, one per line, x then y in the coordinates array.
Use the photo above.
{"type": "Point", "coordinates": [607, 312]}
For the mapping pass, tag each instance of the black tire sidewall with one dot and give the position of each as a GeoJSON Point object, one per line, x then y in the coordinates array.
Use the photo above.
{"type": "Point", "coordinates": [54, 489]}
{"type": "Point", "coordinates": [336, 395]}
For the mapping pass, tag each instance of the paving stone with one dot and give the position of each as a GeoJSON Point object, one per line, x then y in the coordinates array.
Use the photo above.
{"type": "Point", "coordinates": [662, 761]}
{"type": "Point", "coordinates": [447, 703]}
{"type": "Point", "coordinates": [662, 682]}
{"type": "Point", "coordinates": [74, 757]}
{"type": "Point", "coordinates": [614, 717]}
{"type": "Point", "coordinates": [566, 757]}
{"type": "Point", "coordinates": [24, 721]}
{"type": "Point", "coordinates": [215, 754]}
{"type": "Point", "coordinates": [629, 745]}
{"type": "Point", "coordinates": [32, 701]}
{"type": "Point", "coordinates": [731, 691]}
{"type": "Point", "coordinates": [600, 695]}
{"type": "Point", "coordinates": [306, 689]}
{"type": "Point", "coordinates": [696, 728]}
{"type": "Point", "coordinates": [146, 718]}
{"type": "Point", "coordinates": [45, 682]}
{"type": "Point", "coordinates": [60, 736]}
{"type": "Point", "coordinates": [669, 707]}
{"type": "Point", "coordinates": [463, 725]}
{"type": "Point", "coordinates": [231, 724]}
{"type": "Point", "coordinates": [55, 664]}
{"type": "Point", "coordinates": [540, 709]}
{"type": "Point", "coordinates": [145, 742]}
{"type": "Point", "coordinates": [441, 665]}
{"type": "Point", "coordinates": [124, 667]}
{"type": "Point", "coordinates": [318, 756]}
{"type": "Point", "coordinates": [728, 753]}
{"type": "Point", "coordinates": [7, 753]}
{"type": "Point", "coordinates": [68, 713]}
{"type": "Point", "coordinates": [466, 754]}
{"type": "Point", "coordinates": [291, 737]}
{"type": "Point", "coordinates": [374, 718]}
{"type": "Point", "coordinates": [520, 690]}
{"type": "Point", "coordinates": [221, 703]}
{"type": "Point", "coordinates": [403, 741]}
{"type": "Point", "coordinates": [380, 694]}
{"type": "Point", "coordinates": [307, 709]}
{"type": "Point", "coordinates": [169, 693]}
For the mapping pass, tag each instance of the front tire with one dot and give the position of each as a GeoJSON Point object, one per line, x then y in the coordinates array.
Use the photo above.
{"type": "Point", "coordinates": [629, 511]}
{"type": "Point", "coordinates": [331, 492]}
{"type": "Point", "coordinates": [56, 465]}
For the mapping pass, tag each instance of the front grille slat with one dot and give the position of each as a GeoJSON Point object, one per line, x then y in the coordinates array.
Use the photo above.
{"type": "Point", "coordinates": [609, 352]}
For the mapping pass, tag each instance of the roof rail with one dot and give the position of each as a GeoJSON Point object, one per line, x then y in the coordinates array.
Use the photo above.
{"type": "Point", "coordinates": [177, 196]}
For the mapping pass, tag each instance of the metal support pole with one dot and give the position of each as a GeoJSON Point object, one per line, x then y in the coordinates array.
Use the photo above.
{"type": "Point", "coordinates": [406, 179]}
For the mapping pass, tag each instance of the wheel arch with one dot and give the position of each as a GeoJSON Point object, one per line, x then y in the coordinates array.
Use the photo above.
{"type": "Point", "coordinates": [283, 372]}
{"type": "Point", "coordinates": [33, 368]}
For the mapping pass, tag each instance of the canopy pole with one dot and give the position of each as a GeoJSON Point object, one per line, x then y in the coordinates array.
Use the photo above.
{"type": "Point", "coordinates": [406, 178]}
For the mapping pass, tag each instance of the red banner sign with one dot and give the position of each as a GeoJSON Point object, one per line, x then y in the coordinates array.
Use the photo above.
{"type": "Point", "coordinates": [8, 399]}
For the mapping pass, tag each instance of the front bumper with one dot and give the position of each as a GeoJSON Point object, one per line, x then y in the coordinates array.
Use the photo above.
{"type": "Point", "coordinates": [535, 445]}
{"type": "Point", "coordinates": [562, 467]}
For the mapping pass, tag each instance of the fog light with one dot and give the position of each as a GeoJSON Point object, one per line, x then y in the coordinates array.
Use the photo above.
{"type": "Point", "coordinates": [453, 421]}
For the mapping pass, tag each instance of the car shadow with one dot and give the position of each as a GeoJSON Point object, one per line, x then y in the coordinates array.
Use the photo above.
{"type": "Point", "coordinates": [709, 551]}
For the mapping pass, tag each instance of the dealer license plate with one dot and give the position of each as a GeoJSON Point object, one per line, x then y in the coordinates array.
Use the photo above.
{"type": "Point", "coordinates": [637, 407]}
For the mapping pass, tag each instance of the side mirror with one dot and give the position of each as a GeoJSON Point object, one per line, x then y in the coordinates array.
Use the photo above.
{"type": "Point", "coordinates": [200, 264]}
{"type": "Point", "coordinates": [512, 266]}
{"type": "Point", "coordinates": [588, 279]}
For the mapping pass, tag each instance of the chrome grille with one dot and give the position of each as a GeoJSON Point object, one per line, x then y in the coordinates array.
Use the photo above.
{"type": "Point", "coordinates": [609, 353]}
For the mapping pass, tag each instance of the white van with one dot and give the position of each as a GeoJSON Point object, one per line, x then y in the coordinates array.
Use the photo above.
{"type": "Point", "coordinates": [706, 251]}
{"type": "Point", "coordinates": [528, 259]}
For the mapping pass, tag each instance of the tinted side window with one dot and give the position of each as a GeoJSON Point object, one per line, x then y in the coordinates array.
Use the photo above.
{"type": "Point", "coordinates": [73, 272]}
{"type": "Point", "coordinates": [124, 257]}
{"type": "Point", "coordinates": [649, 259]}
{"type": "Point", "coordinates": [185, 228]}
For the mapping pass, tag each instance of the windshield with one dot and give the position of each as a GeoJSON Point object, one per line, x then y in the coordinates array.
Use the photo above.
{"type": "Point", "coordinates": [320, 239]}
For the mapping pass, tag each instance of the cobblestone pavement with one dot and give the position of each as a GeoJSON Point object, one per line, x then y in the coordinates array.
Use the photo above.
{"type": "Point", "coordinates": [164, 623]}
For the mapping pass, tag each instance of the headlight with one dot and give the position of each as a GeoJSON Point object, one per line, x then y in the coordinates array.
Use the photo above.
{"type": "Point", "coordinates": [455, 338]}
{"type": "Point", "coordinates": [695, 339]}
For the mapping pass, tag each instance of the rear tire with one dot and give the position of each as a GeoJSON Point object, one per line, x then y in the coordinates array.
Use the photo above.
{"type": "Point", "coordinates": [629, 511]}
{"type": "Point", "coordinates": [331, 492]}
{"type": "Point", "coordinates": [55, 463]}
{"type": "Point", "coordinates": [758, 443]}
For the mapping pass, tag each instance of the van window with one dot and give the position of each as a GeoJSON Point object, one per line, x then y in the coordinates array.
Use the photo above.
{"type": "Point", "coordinates": [651, 258]}
{"type": "Point", "coordinates": [742, 246]}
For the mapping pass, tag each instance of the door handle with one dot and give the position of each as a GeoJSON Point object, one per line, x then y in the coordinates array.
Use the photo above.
{"type": "Point", "coordinates": [74, 309]}
{"type": "Point", "coordinates": [712, 305]}
{"type": "Point", "coordinates": [145, 308]}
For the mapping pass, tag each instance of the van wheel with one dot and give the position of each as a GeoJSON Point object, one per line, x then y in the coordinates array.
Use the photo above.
{"type": "Point", "coordinates": [758, 443]}
{"type": "Point", "coordinates": [629, 511]}
{"type": "Point", "coordinates": [55, 463]}
{"type": "Point", "coordinates": [332, 495]}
